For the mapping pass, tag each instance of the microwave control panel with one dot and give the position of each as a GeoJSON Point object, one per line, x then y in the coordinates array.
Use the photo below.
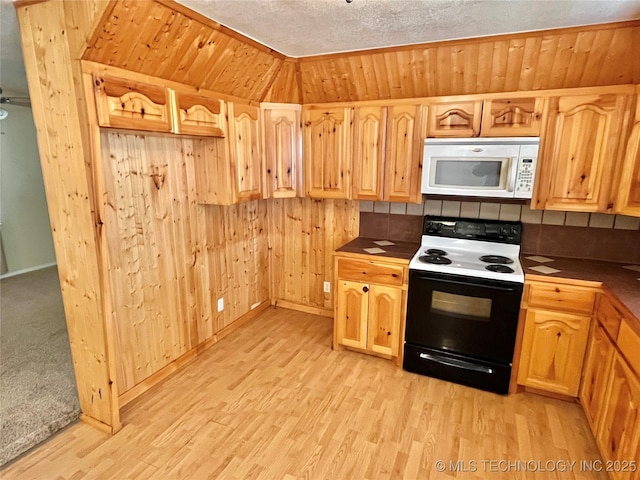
{"type": "Point", "coordinates": [525, 173]}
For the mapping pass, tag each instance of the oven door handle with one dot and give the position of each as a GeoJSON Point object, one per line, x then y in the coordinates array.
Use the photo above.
{"type": "Point", "coordinates": [467, 284]}
{"type": "Point", "coordinates": [453, 362]}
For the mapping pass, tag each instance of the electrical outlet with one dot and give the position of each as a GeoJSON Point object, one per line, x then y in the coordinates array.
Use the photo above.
{"type": "Point", "coordinates": [327, 287]}
{"type": "Point", "coordinates": [220, 304]}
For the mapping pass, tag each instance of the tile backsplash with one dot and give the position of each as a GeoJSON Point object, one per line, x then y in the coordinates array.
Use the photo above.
{"type": "Point", "coordinates": [503, 211]}
{"type": "Point", "coordinates": [594, 236]}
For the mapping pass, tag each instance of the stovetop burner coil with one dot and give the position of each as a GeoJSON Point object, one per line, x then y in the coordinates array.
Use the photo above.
{"type": "Point", "coordinates": [499, 268]}
{"type": "Point", "coordinates": [496, 259]}
{"type": "Point", "coordinates": [435, 259]}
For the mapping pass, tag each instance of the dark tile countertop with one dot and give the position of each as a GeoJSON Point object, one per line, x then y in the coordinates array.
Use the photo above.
{"type": "Point", "coordinates": [624, 283]}
{"type": "Point", "coordinates": [400, 250]}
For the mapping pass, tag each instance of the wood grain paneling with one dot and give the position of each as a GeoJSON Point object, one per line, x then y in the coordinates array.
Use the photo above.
{"type": "Point", "coordinates": [61, 119]}
{"type": "Point", "coordinates": [168, 41]}
{"type": "Point", "coordinates": [565, 58]}
{"type": "Point", "coordinates": [303, 233]}
{"type": "Point", "coordinates": [285, 87]}
{"type": "Point", "coordinates": [170, 258]}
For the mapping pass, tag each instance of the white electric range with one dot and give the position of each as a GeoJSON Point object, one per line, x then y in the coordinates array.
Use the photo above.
{"type": "Point", "coordinates": [464, 294]}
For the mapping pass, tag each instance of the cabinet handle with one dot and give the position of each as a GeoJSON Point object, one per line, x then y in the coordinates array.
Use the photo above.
{"type": "Point", "coordinates": [365, 289]}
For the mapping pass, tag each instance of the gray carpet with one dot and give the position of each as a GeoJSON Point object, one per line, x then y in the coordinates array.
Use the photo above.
{"type": "Point", "coordinates": [37, 386]}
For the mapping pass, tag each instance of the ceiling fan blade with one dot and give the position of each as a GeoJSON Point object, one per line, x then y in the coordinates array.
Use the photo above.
{"type": "Point", "coordinates": [19, 101]}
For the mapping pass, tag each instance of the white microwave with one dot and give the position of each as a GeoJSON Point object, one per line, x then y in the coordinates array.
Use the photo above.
{"type": "Point", "coordinates": [480, 167]}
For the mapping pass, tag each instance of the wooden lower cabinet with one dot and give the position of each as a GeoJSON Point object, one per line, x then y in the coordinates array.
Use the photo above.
{"type": "Point", "coordinates": [352, 314]}
{"type": "Point", "coordinates": [619, 434]}
{"type": "Point", "coordinates": [596, 375]}
{"type": "Point", "coordinates": [610, 389]}
{"type": "Point", "coordinates": [369, 316]}
{"type": "Point", "coordinates": [383, 326]}
{"type": "Point", "coordinates": [553, 351]}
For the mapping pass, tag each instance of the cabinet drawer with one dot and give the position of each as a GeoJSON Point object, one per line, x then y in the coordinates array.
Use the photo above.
{"type": "Point", "coordinates": [608, 316]}
{"type": "Point", "coordinates": [629, 344]}
{"type": "Point", "coordinates": [561, 297]}
{"type": "Point", "coordinates": [364, 271]}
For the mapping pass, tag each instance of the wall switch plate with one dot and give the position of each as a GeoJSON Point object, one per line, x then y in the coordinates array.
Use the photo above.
{"type": "Point", "coordinates": [327, 287]}
{"type": "Point", "coordinates": [220, 304]}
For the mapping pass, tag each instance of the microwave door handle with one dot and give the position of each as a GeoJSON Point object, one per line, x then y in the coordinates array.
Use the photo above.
{"type": "Point", "coordinates": [513, 173]}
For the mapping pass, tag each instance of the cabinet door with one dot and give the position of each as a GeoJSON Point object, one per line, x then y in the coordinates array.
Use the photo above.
{"type": "Point", "coordinates": [596, 375]}
{"type": "Point", "coordinates": [327, 152]}
{"type": "Point", "coordinates": [123, 103]}
{"type": "Point", "coordinates": [351, 314]}
{"type": "Point", "coordinates": [385, 315]}
{"type": "Point", "coordinates": [619, 433]}
{"type": "Point", "coordinates": [520, 117]}
{"type": "Point", "coordinates": [369, 133]}
{"type": "Point", "coordinates": [403, 160]}
{"type": "Point", "coordinates": [244, 147]}
{"type": "Point", "coordinates": [282, 150]}
{"type": "Point", "coordinates": [553, 348]}
{"type": "Point", "coordinates": [198, 115]}
{"type": "Point", "coordinates": [460, 119]}
{"type": "Point", "coordinates": [628, 202]}
{"type": "Point", "coordinates": [580, 151]}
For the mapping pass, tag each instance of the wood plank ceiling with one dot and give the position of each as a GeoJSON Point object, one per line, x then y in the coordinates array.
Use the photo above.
{"type": "Point", "coordinates": [164, 39]}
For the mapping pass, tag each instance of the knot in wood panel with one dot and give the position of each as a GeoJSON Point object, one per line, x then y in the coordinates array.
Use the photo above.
{"type": "Point", "coordinates": [158, 180]}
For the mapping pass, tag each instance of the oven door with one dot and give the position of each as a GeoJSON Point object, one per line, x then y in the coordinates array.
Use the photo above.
{"type": "Point", "coordinates": [473, 317]}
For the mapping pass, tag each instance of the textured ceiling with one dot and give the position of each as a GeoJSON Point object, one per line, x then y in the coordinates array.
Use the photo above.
{"type": "Point", "coordinates": [300, 28]}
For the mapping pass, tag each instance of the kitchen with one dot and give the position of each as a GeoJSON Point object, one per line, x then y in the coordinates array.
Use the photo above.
{"type": "Point", "coordinates": [156, 239]}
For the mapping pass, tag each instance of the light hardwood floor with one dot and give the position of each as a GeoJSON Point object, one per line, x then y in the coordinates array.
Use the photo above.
{"type": "Point", "coordinates": [274, 401]}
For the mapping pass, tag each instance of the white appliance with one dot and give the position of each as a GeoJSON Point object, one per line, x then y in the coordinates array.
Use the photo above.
{"type": "Point", "coordinates": [463, 302]}
{"type": "Point", "coordinates": [480, 167]}
{"type": "Point", "coordinates": [471, 258]}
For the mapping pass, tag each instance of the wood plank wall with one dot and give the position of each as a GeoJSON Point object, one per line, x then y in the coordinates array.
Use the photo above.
{"type": "Point", "coordinates": [304, 232]}
{"type": "Point", "coordinates": [566, 58]}
{"type": "Point", "coordinates": [170, 258]}
{"type": "Point", "coordinates": [53, 35]}
{"type": "Point", "coordinates": [166, 40]}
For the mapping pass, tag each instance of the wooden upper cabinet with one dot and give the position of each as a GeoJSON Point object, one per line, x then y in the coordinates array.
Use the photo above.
{"type": "Point", "coordinates": [619, 433]}
{"type": "Point", "coordinates": [580, 151]}
{"type": "Point", "coordinates": [124, 103]}
{"type": "Point", "coordinates": [327, 152]}
{"type": "Point", "coordinates": [369, 135]}
{"type": "Point", "coordinates": [403, 158]}
{"type": "Point", "coordinates": [198, 114]}
{"type": "Point", "coordinates": [457, 119]}
{"type": "Point", "coordinates": [387, 153]}
{"type": "Point", "coordinates": [519, 117]}
{"type": "Point", "coordinates": [282, 150]}
{"type": "Point", "coordinates": [628, 186]}
{"type": "Point", "coordinates": [244, 149]}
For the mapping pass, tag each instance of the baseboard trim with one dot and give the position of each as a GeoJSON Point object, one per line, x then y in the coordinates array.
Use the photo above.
{"type": "Point", "coordinates": [325, 312]}
{"type": "Point", "coordinates": [538, 391]}
{"type": "Point", "coordinates": [26, 270]}
{"type": "Point", "coordinates": [97, 424]}
{"type": "Point", "coordinates": [188, 357]}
